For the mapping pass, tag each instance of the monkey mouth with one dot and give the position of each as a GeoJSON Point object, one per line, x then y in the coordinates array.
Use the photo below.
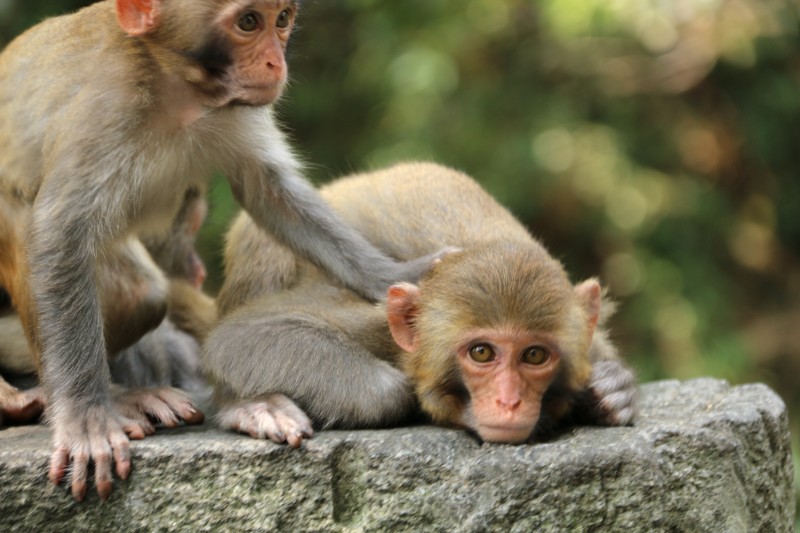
{"type": "Point", "coordinates": [509, 434]}
{"type": "Point", "coordinates": [259, 95]}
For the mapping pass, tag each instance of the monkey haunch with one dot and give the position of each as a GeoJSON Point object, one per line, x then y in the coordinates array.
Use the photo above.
{"type": "Point", "coordinates": [494, 338]}
{"type": "Point", "coordinates": [106, 117]}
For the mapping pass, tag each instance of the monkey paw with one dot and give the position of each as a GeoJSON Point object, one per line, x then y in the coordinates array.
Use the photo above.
{"type": "Point", "coordinates": [412, 270]}
{"type": "Point", "coordinates": [166, 406]}
{"type": "Point", "coordinates": [95, 434]}
{"type": "Point", "coordinates": [275, 417]}
{"type": "Point", "coordinates": [18, 407]}
{"type": "Point", "coordinates": [613, 387]}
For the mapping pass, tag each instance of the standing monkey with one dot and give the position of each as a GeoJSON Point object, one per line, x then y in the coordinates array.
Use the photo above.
{"type": "Point", "coordinates": [106, 117]}
{"type": "Point", "coordinates": [495, 338]}
{"type": "Point", "coordinates": [166, 356]}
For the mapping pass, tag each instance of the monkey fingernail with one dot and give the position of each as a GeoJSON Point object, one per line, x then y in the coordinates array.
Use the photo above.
{"type": "Point", "coordinates": [79, 491]}
{"type": "Point", "coordinates": [104, 490]}
{"type": "Point", "coordinates": [123, 469]}
{"type": "Point", "coordinates": [196, 417]}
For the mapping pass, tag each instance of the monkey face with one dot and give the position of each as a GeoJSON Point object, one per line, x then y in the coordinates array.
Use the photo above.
{"type": "Point", "coordinates": [257, 37]}
{"type": "Point", "coordinates": [505, 373]}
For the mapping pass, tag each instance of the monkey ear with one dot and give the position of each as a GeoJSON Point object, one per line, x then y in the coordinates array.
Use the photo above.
{"type": "Point", "coordinates": [137, 17]}
{"type": "Point", "coordinates": [402, 307]}
{"type": "Point", "coordinates": [590, 295]}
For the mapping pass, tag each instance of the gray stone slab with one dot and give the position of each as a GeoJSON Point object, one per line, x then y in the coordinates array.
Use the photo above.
{"type": "Point", "coordinates": [703, 456]}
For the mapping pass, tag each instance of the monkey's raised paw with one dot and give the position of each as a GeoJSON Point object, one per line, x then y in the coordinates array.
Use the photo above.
{"type": "Point", "coordinates": [95, 434]}
{"type": "Point", "coordinates": [275, 417]}
{"type": "Point", "coordinates": [158, 405]}
{"type": "Point", "coordinates": [19, 407]}
{"type": "Point", "coordinates": [613, 387]}
{"type": "Point", "coordinates": [412, 270]}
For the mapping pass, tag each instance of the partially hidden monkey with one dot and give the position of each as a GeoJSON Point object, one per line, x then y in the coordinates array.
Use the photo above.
{"type": "Point", "coordinates": [166, 356]}
{"type": "Point", "coordinates": [107, 116]}
{"type": "Point", "coordinates": [169, 355]}
{"type": "Point", "coordinates": [494, 338]}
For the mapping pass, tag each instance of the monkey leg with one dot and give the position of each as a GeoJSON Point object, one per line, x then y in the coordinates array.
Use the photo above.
{"type": "Point", "coordinates": [133, 293]}
{"type": "Point", "coordinates": [164, 357]}
{"type": "Point", "coordinates": [327, 371]}
{"type": "Point", "coordinates": [15, 353]}
{"type": "Point", "coordinates": [191, 310]}
{"type": "Point", "coordinates": [20, 406]}
{"type": "Point", "coordinates": [17, 406]}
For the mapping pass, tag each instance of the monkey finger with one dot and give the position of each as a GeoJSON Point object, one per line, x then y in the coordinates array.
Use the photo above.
{"type": "Point", "coordinates": [292, 421]}
{"type": "Point", "coordinates": [268, 427]}
{"type": "Point", "coordinates": [101, 454]}
{"type": "Point", "coordinates": [609, 376]}
{"type": "Point", "coordinates": [181, 404]}
{"type": "Point", "coordinates": [79, 473]}
{"type": "Point", "coordinates": [122, 455]}
{"type": "Point", "coordinates": [137, 429]}
{"type": "Point", "coordinates": [291, 429]}
{"type": "Point", "coordinates": [194, 417]}
{"type": "Point", "coordinates": [157, 410]}
{"type": "Point", "coordinates": [262, 423]}
{"type": "Point", "coordinates": [59, 462]}
{"type": "Point", "coordinates": [444, 252]}
{"type": "Point", "coordinates": [160, 412]}
{"type": "Point", "coordinates": [624, 417]}
{"type": "Point", "coordinates": [133, 421]}
{"type": "Point", "coordinates": [294, 439]}
{"type": "Point", "coordinates": [104, 433]}
{"type": "Point", "coordinates": [618, 407]}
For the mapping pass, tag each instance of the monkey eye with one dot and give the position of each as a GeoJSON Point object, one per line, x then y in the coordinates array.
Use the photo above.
{"type": "Point", "coordinates": [481, 353]}
{"type": "Point", "coordinates": [283, 19]}
{"type": "Point", "coordinates": [535, 355]}
{"type": "Point", "coordinates": [248, 22]}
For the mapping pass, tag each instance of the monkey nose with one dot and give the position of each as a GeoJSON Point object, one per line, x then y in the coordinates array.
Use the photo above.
{"type": "Point", "coordinates": [509, 404]}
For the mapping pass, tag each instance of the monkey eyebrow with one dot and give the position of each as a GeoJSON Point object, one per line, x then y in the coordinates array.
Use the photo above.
{"type": "Point", "coordinates": [274, 4]}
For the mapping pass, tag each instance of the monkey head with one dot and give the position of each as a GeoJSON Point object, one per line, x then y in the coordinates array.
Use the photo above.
{"type": "Point", "coordinates": [488, 331]}
{"type": "Point", "coordinates": [231, 51]}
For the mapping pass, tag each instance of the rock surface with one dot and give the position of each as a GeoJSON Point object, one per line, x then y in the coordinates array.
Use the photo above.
{"type": "Point", "coordinates": [703, 456]}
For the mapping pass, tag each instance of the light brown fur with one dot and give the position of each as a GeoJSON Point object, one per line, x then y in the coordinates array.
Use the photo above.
{"type": "Point", "coordinates": [288, 329]}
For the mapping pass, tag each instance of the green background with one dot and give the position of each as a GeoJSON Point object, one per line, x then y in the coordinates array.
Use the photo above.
{"type": "Point", "coordinates": [655, 144]}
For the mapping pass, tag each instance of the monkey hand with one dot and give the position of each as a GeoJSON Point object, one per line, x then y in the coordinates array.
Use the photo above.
{"type": "Point", "coordinates": [275, 417]}
{"type": "Point", "coordinates": [97, 434]}
{"type": "Point", "coordinates": [21, 406]}
{"type": "Point", "coordinates": [613, 387]}
{"type": "Point", "coordinates": [166, 406]}
{"type": "Point", "coordinates": [412, 271]}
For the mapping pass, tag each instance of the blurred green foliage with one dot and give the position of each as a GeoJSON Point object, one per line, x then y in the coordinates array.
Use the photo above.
{"type": "Point", "coordinates": [651, 143]}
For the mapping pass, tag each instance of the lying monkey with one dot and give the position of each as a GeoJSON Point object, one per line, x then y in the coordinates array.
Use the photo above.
{"type": "Point", "coordinates": [494, 338]}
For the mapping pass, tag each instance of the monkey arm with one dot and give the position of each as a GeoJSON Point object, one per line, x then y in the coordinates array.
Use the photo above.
{"type": "Point", "coordinates": [69, 334]}
{"type": "Point", "coordinates": [67, 310]}
{"type": "Point", "coordinates": [289, 207]}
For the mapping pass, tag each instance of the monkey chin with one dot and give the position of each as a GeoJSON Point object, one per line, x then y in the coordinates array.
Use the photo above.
{"type": "Point", "coordinates": [257, 95]}
{"type": "Point", "coordinates": [506, 434]}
